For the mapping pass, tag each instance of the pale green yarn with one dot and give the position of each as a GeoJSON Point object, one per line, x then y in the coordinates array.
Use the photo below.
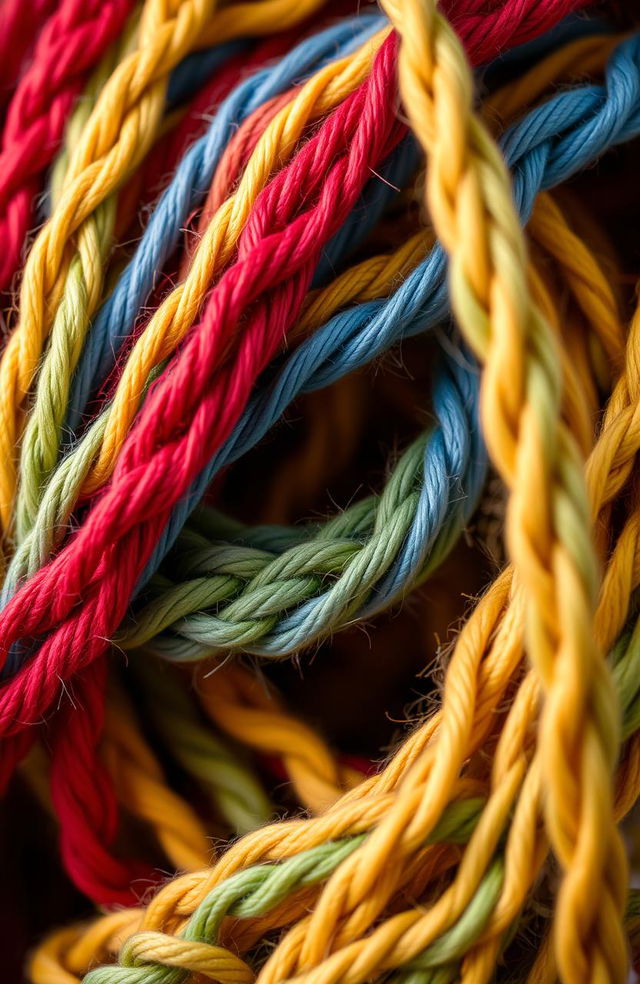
{"type": "Point", "coordinates": [437, 964]}
{"type": "Point", "coordinates": [260, 888]}
{"type": "Point", "coordinates": [59, 498]}
{"type": "Point", "coordinates": [43, 431]}
{"type": "Point", "coordinates": [233, 595]}
{"type": "Point", "coordinates": [228, 781]}
{"type": "Point", "coordinates": [626, 678]}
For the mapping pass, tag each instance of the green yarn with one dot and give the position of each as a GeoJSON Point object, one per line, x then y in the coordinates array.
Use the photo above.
{"type": "Point", "coordinates": [81, 296]}
{"type": "Point", "coordinates": [260, 888]}
{"type": "Point", "coordinates": [59, 498]}
{"type": "Point", "coordinates": [234, 595]}
{"type": "Point", "coordinates": [233, 789]}
{"type": "Point", "coordinates": [626, 677]}
{"type": "Point", "coordinates": [437, 963]}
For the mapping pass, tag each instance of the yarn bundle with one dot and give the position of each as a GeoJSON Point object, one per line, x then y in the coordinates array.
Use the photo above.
{"type": "Point", "coordinates": [319, 511]}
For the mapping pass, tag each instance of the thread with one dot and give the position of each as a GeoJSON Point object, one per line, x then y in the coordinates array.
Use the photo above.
{"type": "Point", "coordinates": [281, 257]}
{"type": "Point", "coordinates": [71, 43]}
{"type": "Point", "coordinates": [503, 596]}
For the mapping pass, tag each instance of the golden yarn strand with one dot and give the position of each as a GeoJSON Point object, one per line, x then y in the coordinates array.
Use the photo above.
{"type": "Point", "coordinates": [494, 632]}
{"type": "Point", "coordinates": [548, 519]}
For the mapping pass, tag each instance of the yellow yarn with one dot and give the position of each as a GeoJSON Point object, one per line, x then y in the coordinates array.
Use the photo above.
{"type": "Point", "coordinates": [548, 521]}
{"type": "Point", "coordinates": [486, 661]}
{"type": "Point", "coordinates": [115, 139]}
{"type": "Point", "coordinates": [368, 804]}
{"type": "Point", "coordinates": [177, 313]}
{"type": "Point", "coordinates": [240, 706]}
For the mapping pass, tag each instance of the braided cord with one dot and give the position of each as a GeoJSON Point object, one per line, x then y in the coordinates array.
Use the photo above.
{"type": "Point", "coordinates": [548, 519]}
{"type": "Point", "coordinates": [112, 144]}
{"type": "Point", "coordinates": [176, 315]}
{"type": "Point", "coordinates": [80, 296]}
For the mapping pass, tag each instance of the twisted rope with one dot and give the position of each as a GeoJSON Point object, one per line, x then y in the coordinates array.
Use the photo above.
{"type": "Point", "coordinates": [71, 42]}
{"type": "Point", "coordinates": [548, 518]}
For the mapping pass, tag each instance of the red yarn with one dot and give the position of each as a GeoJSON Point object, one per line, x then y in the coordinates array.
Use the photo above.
{"type": "Point", "coordinates": [487, 33]}
{"type": "Point", "coordinates": [277, 255]}
{"type": "Point", "coordinates": [20, 22]}
{"type": "Point", "coordinates": [82, 595]}
{"type": "Point", "coordinates": [72, 41]}
{"type": "Point", "coordinates": [149, 180]}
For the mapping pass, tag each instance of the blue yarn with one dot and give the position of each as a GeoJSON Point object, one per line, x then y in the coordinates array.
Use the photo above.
{"type": "Point", "coordinates": [553, 142]}
{"type": "Point", "coordinates": [187, 189]}
{"type": "Point", "coordinates": [454, 469]}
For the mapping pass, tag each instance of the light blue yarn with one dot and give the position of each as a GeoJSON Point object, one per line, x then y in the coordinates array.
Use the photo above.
{"type": "Point", "coordinates": [454, 468]}
{"type": "Point", "coordinates": [551, 143]}
{"type": "Point", "coordinates": [188, 189]}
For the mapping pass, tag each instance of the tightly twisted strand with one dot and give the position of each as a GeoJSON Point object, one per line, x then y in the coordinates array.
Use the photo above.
{"type": "Point", "coordinates": [299, 246]}
{"type": "Point", "coordinates": [71, 42]}
{"type": "Point", "coordinates": [80, 295]}
{"type": "Point", "coordinates": [104, 157]}
{"type": "Point", "coordinates": [338, 129]}
{"type": "Point", "coordinates": [74, 749]}
{"type": "Point", "coordinates": [274, 600]}
{"type": "Point", "coordinates": [194, 172]}
{"type": "Point", "coordinates": [548, 518]}
{"type": "Point", "coordinates": [175, 317]}
{"type": "Point", "coordinates": [63, 477]}
{"type": "Point", "coordinates": [47, 522]}
{"type": "Point", "coordinates": [431, 728]}
{"type": "Point", "coordinates": [407, 756]}
{"type": "Point", "coordinates": [134, 98]}
{"type": "Point", "coordinates": [330, 343]}
{"type": "Point", "coordinates": [610, 319]}
{"type": "Point", "coordinates": [569, 131]}
{"type": "Point", "coordinates": [258, 891]}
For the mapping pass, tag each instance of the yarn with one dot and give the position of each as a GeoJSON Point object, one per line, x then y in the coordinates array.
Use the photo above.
{"type": "Point", "coordinates": [103, 158]}
{"type": "Point", "coordinates": [72, 41]}
{"type": "Point", "coordinates": [233, 250]}
{"type": "Point", "coordinates": [74, 749]}
{"type": "Point", "coordinates": [36, 465]}
{"type": "Point", "coordinates": [596, 146]}
{"type": "Point", "coordinates": [92, 685]}
{"type": "Point", "coordinates": [577, 744]}
{"type": "Point", "coordinates": [259, 415]}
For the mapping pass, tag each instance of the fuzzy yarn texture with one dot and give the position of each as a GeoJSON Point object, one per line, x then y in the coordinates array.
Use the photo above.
{"type": "Point", "coordinates": [318, 502]}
